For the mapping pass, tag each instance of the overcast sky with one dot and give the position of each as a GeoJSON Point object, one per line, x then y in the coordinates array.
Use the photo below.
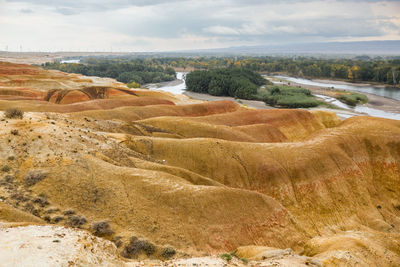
{"type": "Point", "coordinates": [157, 25]}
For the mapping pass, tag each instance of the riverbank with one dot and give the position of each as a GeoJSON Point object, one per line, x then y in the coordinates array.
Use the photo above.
{"type": "Point", "coordinates": [378, 106]}
{"type": "Point", "coordinates": [374, 101]}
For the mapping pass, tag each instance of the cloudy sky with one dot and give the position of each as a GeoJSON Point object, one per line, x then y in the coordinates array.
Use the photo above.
{"type": "Point", "coordinates": [157, 25]}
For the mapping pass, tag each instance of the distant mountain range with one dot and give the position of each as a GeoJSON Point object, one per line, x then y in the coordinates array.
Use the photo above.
{"type": "Point", "coordinates": [332, 48]}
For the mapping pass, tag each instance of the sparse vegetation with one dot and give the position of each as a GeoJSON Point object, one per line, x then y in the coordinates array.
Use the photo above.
{"type": "Point", "coordinates": [13, 113]}
{"type": "Point", "coordinates": [136, 246]}
{"type": "Point", "coordinates": [14, 132]}
{"type": "Point", "coordinates": [34, 177]}
{"type": "Point", "coordinates": [102, 228]}
{"type": "Point", "coordinates": [76, 221]}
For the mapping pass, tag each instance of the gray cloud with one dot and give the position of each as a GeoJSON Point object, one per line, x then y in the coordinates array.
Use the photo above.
{"type": "Point", "coordinates": [157, 24]}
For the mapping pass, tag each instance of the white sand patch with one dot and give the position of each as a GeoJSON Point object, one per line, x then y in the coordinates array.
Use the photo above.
{"type": "Point", "coordinates": [54, 246]}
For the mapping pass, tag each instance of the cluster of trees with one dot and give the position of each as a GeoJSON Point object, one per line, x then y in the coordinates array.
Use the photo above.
{"type": "Point", "coordinates": [133, 71]}
{"type": "Point", "coordinates": [246, 84]}
{"type": "Point", "coordinates": [360, 68]}
{"type": "Point", "coordinates": [236, 82]}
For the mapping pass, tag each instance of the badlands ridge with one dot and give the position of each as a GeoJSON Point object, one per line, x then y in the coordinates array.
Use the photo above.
{"type": "Point", "coordinates": [172, 179]}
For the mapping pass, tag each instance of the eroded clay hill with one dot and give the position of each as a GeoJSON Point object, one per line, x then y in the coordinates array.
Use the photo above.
{"type": "Point", "coordinates": [204, 178]}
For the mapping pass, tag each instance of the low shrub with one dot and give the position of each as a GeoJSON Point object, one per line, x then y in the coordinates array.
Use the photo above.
{"type": "Point", "coordinates": [5, 168]}
{"type": "Point", "coordinates": [12, 113]}
{"type": "Point", "coordinates": [287, 97]}
{"type": "Point", "coordinates": [102, 228]}
{"type": "Point", "coordinates": [14, 132]}
{"type": "Point", "coordinates": [352, 99]}
{"type": "Point", "coordinates": [133, 85]}
{"type": "Point", "coordinates": [76, 221]}
{"type": "Point", "coordinates": [9, 178]}
{"type": "Point", "coordinates": [69, 212]}
{"type": "Point", "coordinates": [117, 240]}
{"type": "Point", "coordinates": [226, 256]}
{"type": "Point", "coordinates": [33, 177]}
{"type": "Point", "coordinates": [42, 201]}
{"type": "Point", "coordinates": [19, 196]}
{"type": "Point", "coordinates": [57, 219]}
{"type": "Point", "coordinates": [168, 252]}
{"type": "Point", "coordinates": [136, 246]}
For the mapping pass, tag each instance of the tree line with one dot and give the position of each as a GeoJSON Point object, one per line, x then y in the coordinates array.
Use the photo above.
{"type": "Point", "coordinates": [133, 71]}
{"type": "Point", "coordinates": [234, 82]}
{"type": "Point", "coordinates": [361, 68]}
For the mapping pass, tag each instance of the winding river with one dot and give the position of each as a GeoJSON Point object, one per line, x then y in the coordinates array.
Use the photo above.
{"type": "Point", "coordinates": [180, 87]}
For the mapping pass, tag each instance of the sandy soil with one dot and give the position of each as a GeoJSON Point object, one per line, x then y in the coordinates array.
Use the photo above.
{"type": "Point", "coordinates": [248, 103]}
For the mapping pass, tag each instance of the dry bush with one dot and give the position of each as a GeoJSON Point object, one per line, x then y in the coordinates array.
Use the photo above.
{"type": "Point", "coordinates": [76, 221]}
{"type": "Point", "coordinates": [168, 252]}
{"type": "Point", "coordinates": [69, 212]}
{"type": "Point", "coordinates": [57, 219]}
{"type": "Point", "coordinates": [5, 168]}
{"type": "Point", "coordinates": [102, 228]}
{"type": "Point", "coordinates": [9, 178]}
{"type": "Point", "coordinates": [13, 113]}
{"type": "Point", "coordinates": [33, 177]}
{"type": "Point", "coordinates": [117, 240]}
{"type": "Point", "coordinates": [136, 246]}
{"type": "Point", "coordinates": [42, 201]}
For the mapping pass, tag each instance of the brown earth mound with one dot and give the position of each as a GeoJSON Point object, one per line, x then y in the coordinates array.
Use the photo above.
{"type": "Point", "coordinates": [208, 178]}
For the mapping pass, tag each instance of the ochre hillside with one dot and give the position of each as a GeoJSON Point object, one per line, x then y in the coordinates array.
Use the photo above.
{"type": "Point", "coordinates": [205, 178]}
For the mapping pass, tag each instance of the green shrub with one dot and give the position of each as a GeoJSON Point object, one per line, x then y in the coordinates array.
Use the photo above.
{"type": "Point", "coordinates": [288, 97]}
{"type": "Point", "coordinates": [13, 113]}
{"type": "Point", "coordinates": [352, 99]}
{"type": "Point", "coordinates": [226, 256]}
{"type": "Point", "coordinates": [133, 85]}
